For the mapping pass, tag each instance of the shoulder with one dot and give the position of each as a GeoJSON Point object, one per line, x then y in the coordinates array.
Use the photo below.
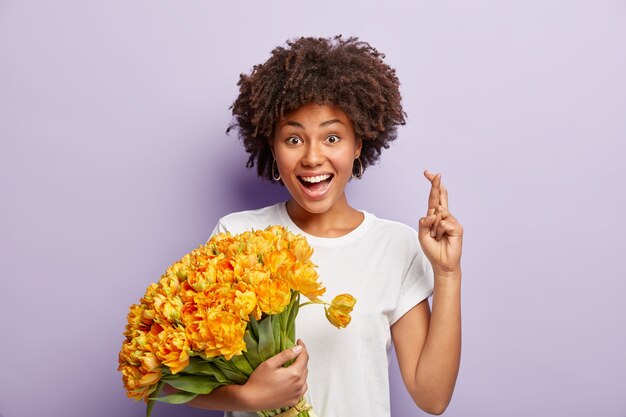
{"type": "Point", "coordinates": [393, 229]}
{"type": "Point", "coordinates": [395, 236]}
{"type": "Point", "coordinates": [241, 221]}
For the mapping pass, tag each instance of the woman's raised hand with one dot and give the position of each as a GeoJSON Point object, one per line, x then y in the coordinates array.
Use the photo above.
{"type": "Point", "coordinates": [273, 386]}
{"type": "Point", "coordinates": [440, 234]}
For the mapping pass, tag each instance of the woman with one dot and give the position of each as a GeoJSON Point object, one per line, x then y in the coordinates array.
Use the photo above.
{"type": "Point", "coordinates": [312, 117]}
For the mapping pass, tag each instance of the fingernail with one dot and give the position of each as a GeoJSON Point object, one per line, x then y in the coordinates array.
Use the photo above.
{"type": "Point", "coordinates": [296, 349]}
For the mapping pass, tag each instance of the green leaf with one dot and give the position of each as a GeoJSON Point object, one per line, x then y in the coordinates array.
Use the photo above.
{"type": "Point", "coordinates": [284, 316]}
{"type": "Point", "coordinates": [196, 384]}
{"type": "Point", "coordinates": [235, 376]}
{"type": "Point", "coordinates": [218, 373]}
{"type": "Point", "coordinates": [252, 351]}
{"type": "Point", "coordinates": [241, 362]}
{"type": "Point", "coordinates": [209, 368]}
{"type": "Point", "coordinates": [291, 322]}
{"type": "Point", "coordinates": [154, 394]}
{"type": "Point", "coordinates": [231, 371]}
{"type": "Point", "coordinates": [198, 365]}
{"type": "Point", "coordinates": [253, 326]}
{"type": "Point", "coordinates": [267, 346]}
{"type": "Point", "coordinates": [285, 323]}
{"type": "Point", "coordinates": [276, 330]}
{"type": "Point", "coordinates": [178, 398]}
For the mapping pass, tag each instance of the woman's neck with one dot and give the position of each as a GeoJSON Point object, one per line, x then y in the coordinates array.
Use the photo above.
{"type": "Point", "coordinates": [340, 220]}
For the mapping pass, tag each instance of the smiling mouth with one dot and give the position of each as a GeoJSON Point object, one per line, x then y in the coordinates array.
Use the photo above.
{"type": "Point", "coordinates": [316, 184]}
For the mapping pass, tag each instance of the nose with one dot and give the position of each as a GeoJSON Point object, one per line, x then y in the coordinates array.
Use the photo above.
{"type": "Point", "coordinates": [313, 155]}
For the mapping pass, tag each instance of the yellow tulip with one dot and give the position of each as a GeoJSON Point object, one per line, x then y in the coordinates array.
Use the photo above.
{"type": "Point", "coordinates": [173, 349]}
{"type": "Point", "coordinates": [202, 276]}
{"type": "Point", "coordinates": [216, 333]}
{"type": "Point", "coordinates": [280, 262]}
{"type": "Point", "coordinates": [169, 309]}
{"type": "Point", "coordinates": [137, 383]}
{"type": "Point", "coordinates": [243, 263]}
{"type": "Point", "coordinates": [243, 300]}
{"type": "Point", "coordinates": [149, 379]}
{"type": "Point", "coordinates": [169, 285]}
{"type": "Point", "coordinates": [304, 279]}
{"type": "Point", "coordinates": [151, 291]}
{"type": "Point", "coordinates": [338, 314]}
{"type": "Point", "coordinates": [256, 276]}
{"type": "Point", "coordinates": [301, 249]}
{"type": "Point", "coordinates": [136, 324]}
{"type": "Point", "coordinates": [149, 362]}
{"type": "Point", "coordinates": [272, 295]}
{"type": "Point", "coordinates": [344, 303]}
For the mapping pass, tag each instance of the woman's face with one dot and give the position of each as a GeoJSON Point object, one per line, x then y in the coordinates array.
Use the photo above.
{"type": "Point", "coordinates": [315, 148]}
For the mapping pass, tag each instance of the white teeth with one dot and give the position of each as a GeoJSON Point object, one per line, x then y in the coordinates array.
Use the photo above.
{"type": "Point", "coordinates": [317, 178]}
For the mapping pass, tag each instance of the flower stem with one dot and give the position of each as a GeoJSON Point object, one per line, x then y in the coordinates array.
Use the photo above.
{"type": "Point", "coordinates": [313, 302]}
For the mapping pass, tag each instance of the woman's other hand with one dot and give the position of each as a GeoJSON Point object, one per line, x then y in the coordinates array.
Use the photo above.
{"type": "Point", "coordinates": [272, 385]}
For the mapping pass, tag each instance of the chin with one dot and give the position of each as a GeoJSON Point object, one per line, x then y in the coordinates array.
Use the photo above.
{"type": "Point", "coordinates": [315, 207]}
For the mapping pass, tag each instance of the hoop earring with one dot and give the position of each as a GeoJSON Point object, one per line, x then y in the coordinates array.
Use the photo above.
{"type": "Point", "coordinates": [274, 172]}
{"type": "Point", "coordinates": [358, 177]}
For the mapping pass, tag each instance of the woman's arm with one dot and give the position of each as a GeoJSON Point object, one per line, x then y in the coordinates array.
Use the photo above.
{"type": "Point", "coordinates": [269, 387]}
{"type": "Point", "coordinates": [226, 398]}
{"type": "Point", "coordinates": [429, 346]}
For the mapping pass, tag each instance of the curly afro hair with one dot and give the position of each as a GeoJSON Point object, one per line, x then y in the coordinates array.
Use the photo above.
{"type": "Point", "coordinates": [346, 73]}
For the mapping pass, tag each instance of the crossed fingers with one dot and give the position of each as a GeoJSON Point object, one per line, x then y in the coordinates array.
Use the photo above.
{"type": "Point", "coordinates": [438, 207]}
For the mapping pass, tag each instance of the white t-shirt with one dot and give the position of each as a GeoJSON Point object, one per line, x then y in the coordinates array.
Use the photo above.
{"type": "Point", "coordinates": [380, 263]}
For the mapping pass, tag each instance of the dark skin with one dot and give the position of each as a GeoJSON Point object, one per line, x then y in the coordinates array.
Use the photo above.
{"type": "Point", "coordinates": [270, 386]}
{"type": "Point", "coordinates": [428, 344]}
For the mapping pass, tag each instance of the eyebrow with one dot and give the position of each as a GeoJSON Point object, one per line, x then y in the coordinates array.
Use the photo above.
{"type": "Point", "coordinates": [323, 124]}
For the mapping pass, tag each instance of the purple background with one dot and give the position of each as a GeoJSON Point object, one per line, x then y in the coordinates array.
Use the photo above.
{"type": "Point", "coordinates": [114, 163]}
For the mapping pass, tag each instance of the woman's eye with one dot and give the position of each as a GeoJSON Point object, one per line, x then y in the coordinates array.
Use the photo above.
{"type": "Point", "coordinates": [293, 140]}
{"type": "Point", "coordinates": [333, 139]}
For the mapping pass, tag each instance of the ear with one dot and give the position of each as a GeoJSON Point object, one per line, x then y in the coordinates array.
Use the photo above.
{"type": "Point", "coordinates": [358, 148]}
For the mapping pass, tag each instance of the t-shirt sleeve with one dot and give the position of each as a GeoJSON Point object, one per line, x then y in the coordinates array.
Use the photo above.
{"type": "Point", "coordinates": [417, 285]}
{"type": "Point", "coordinates": [219, 228]}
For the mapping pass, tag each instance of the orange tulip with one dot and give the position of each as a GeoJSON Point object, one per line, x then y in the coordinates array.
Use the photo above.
{"type": "Point", "coordinates": [216, 333]}
{"type": "Point", "coordinates": [173, 349]}
{"type": "Point", "coordinates": [272, 295]}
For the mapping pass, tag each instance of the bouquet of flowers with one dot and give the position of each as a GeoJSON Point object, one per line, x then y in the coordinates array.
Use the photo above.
{"type": "Point", "coordinates": [219, 312]}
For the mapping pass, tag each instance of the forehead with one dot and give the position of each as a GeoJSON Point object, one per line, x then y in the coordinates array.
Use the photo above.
{"type": "Point", "coordinates": [314, 115]}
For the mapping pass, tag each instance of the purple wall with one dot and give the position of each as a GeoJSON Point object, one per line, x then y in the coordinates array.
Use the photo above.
{"type": "Point", "coordinates": [114, 163]}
